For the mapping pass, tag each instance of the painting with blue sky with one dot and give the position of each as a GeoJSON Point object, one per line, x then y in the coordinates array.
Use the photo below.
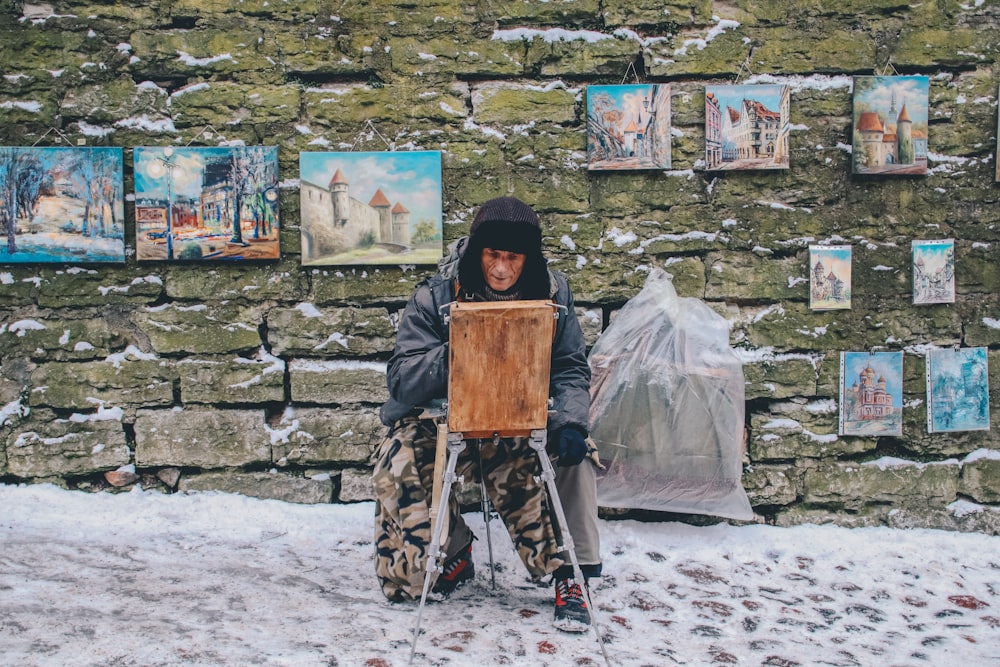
{"type": "Point", "coordinates": [628, 127]}
{"type": "Point", "coordinates": [371, 208]}
{"type": "Point", "coordinates": [933, 271]}
{"type": "Point", "coordinates": [871, 393]}
{"type": "Point", "coordinates": [830, 277]}
{"type": "Point", "coordinates": [746, 127]}
{"type": "Point", "coordinates": [890, 125]}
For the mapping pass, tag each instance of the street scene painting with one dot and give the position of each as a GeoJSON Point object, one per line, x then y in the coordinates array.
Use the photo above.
{"type": "Point", "coordinates": [61, 205]}
{"type": "Point", "coordinates": [890, 125]}
{"type": "Point", "coordinates": [933, 271]}
{"type": "Point", "coordinates": [830, 277]}
{"type": "Point", "coordinates": [871, 393]}
{"type": "Point", "coordinates": [746, 127]}
{"type": "Point", "coordinates": [958, 395]}
{"type": "Point", "coordinates": [371, 208]}
{"type": "Point", "coordinates": [206, 203]}
{"type": "Point", "coordinates": [628, 127]}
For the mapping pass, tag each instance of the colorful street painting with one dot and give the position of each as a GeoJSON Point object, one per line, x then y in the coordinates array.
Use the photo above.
{"type": "Point", "coordinates": [958, 394]}
{"type": "Point", "coordinates": [830, 277]}
{"type": "Point", "coordinates": [871, 393]}
{"type": "Point", "coordinates": [61, 205]}
{"type": "Point", "coordinates": [890, 125]}
{"type": "Point", "coordinates": [746, 127]}
{"type": "Point", "coordinates": [206, 203]}
{"type": "Point", "coordinates": [628, 127]}
{"type": "Point", "coordinates": [371, 208]}
{"type": "Point", "coordinates": [933, 271]}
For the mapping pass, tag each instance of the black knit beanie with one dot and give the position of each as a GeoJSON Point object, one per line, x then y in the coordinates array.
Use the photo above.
{"type": "Point", "coordinates": [506, 223]}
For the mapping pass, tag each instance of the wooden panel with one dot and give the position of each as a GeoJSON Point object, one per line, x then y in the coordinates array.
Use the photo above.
{"type": "Point", "coordinates": [498, 370]}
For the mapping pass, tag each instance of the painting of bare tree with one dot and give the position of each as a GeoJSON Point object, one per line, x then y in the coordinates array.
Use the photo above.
{"type": "Point", "coordinates": [61, 205]}
{"type": "Point", "coordinates": [628, 127]}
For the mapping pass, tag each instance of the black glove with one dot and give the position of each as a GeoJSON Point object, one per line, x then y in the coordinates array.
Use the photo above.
{"type": "Point", "coordinates": [570, 445]}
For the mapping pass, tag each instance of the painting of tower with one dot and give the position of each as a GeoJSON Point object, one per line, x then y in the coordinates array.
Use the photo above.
{"type": "Point", "coordinates": [871, 393]}
{"type": "Point", "coordinates": [934, 271]}
{"type": "Point", "coordinates": [746, 127]}
{"type": "Point", "coordinates": [890, 125]}
{"type": "Point", "coordinates": [830, 277]}
{"type": "Point", "coordinates": [370, 208]}
{"type": "Point", "coordinates": [628, 127]}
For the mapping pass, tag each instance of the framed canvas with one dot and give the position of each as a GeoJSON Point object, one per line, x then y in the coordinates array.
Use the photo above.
{"type": "Point", "coordinates": [871, 393]}
{"type": "Point", "coordinates": [746, 127]}
{"type": "Point", "coordinates": [628, 127]}
{"type": "Point", "coordinates": [889, 132]}
{"type": "Point", "coordinates": [371, 208]}
{"type": "Point", "coordinates": [830, 277]}
{"type": "Point", "coordinates": [933, 271]}
{"type": "Point", "coordinates": [61, 205]}
{"type": "Point", "coordinates": [206, 203]}
{"type": "Point", "coordinates": [958, 393]}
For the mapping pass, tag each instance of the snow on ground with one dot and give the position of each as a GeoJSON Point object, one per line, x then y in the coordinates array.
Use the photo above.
{"type": "Point", "coordinates": [143, 578]}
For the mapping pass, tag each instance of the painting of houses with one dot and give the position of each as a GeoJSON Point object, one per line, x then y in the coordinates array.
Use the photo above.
{"type": "Point", "coordinates": [206, 203]}
{"type": "Point", "coordinates": [871, 393]}
{"type": "Point", "coordinates": [933, 271]}
{"type": "Point", "coordinates": [890, 125]}
{"type": "Point", "coordinates": [628, 127]}
{"type": "Point", "coordinates": [958, 395]}
{"type": "Point", "coordinates": [746, 127]}
{"type": "Point", "coordinates": [61, 205]}
{"type": "Point", "coordinates": [371, 208]}
{"type": "Point", "coordinates": [829, 277]}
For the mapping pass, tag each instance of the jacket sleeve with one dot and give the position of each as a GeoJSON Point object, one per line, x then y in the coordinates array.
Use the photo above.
{"type": "Point", "coordinates": [418, 369]}
{"type": "Point", "coordinates": [569, 383]}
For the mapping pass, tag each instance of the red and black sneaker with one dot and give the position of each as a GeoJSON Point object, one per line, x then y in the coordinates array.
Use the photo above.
{"type": "Point", "coordinates": [456, 571]}
{"type": "Point", "coordinates": [572, 614]}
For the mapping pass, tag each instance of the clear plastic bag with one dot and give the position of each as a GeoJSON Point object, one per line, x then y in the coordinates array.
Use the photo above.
{"type": "Point", "coordinates": [667, 407]}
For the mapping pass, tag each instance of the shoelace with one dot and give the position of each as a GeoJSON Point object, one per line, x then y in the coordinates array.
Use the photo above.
{"type": "Point", "coordinates": [568, 591]}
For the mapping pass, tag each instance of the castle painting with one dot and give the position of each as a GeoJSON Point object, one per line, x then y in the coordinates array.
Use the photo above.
{"type": "Point", "coordinates": [958, 395]}
{"type": "Point", "coordinates": [628, 127]}
{"type": "Point", "coordinates": [933, 271]}
{"type": "Point", "coordinates": [830, 277]}
{"type": "Point", "coordinates": [61, 205]}
{"type": "Point", "coordinates": [746, 127]}
{"type": "Point", "coordinates": [371, 208]}
{"type": "Point", "coordinates": [871, 393]}
{"type": "Point", "coordinates": [890, 125]}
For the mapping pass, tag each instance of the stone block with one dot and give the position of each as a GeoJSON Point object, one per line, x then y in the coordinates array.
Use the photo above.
{"type": "Point", "coordinates": [232, 381]}
{"type": "Point", "coordinates": [778, 376]}
{"type": "Point", "coordinates": [79, 335]}
{"type": "Point", "coordinates": [447, 56]}
{"type": "Point", "coordinates": [75, 287]}
{"type": "Point", "coordinates": [264, 485]}
{"type": "Point", "coordinates": [124, 379]}
{"type": "Point", "coordinates": [667, 16]}
{"type": "Point", "coordinates": [319, 436]}
{"type": "Point", "coordinates": [745, 276]}
{"type": "Point", "coordinates": [362, 286]}
{"type": "Point", "coordinates": [337, 382]}
{"type": "Point", "coordinates": [509, 104]}
{"type": "Point", "coordinates": [20, 286]}
{"type": "Point", "coordinates": [110, 101]}
{"type": "Point", "coordinates": [356, 486]}
{"type": "Point", "coordinates": [201, 438]}
{"type": "Point", "coordinates": [801, 428]}
{"type": "Point", "coordinates": [44, 445]}
{"type": "Point", "coordinates": [771, 485]}
{"type": "Point", "coordinates": [333, 332]}
{"type": "Point", "coordinates": [980, 479]}
{"type": "Point", "coordinates": [888, 482]}
{"type": "Point", "coordinates": [216, 328]}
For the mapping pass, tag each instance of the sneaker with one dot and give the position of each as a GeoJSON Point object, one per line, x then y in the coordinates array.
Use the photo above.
{"type": "Point", "coordinates": [456, 571]}
{"type": "Point", "coordinates": [572, 614]}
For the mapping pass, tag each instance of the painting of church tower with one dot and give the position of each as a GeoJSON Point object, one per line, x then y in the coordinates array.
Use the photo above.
{"type": "Point", "coordinates": [370, 208]}
{"type": "Point", "coordinates": [830, 277]}
{"type": "Point", "coordinates": [890, 125]}
{"type": "Point", "coordinates": [871, 393]}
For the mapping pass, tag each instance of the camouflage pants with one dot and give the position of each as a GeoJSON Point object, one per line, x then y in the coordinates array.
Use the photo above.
{"type": "Point", "coordinates": [403, 479]}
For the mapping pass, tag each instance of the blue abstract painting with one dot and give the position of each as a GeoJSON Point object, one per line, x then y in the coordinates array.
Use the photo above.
{"type": "Point", "coordinates": [958, 396]}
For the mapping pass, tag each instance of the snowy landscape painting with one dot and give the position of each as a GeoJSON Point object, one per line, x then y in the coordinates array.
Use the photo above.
{"type": "Point", "coordinates": [829, 277]}
{"type": "Point", "coordinates": [958, 395]}
{"type": "Point", "coordinates": [890, 125]}
{"type": "Point", "coordinates": [746, 127]}
{"type": "Point", "coordinates": [206, 203]}
{"type": "Point", "coordinates": [628, 127]}
{"type": "Point", "coordinates": [933, 271]}
{"type": "Point", "coordinates": [61, 205]}
{"type": "Point", "coordinates": [871, 393]}
{"type": "Point", "coordinates": [371, 208]}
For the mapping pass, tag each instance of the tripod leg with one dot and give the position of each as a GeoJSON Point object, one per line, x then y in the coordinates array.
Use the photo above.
{"type": "Point", "coordinates": [485, 501]}
{"type": "Point", "coordinates": [537, 442]}
{"type": "Point", "coordinates": [455, 446]}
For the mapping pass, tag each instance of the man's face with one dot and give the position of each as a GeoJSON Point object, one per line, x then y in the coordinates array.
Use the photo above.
{"type": "Point", "coordinates": [501, 268]}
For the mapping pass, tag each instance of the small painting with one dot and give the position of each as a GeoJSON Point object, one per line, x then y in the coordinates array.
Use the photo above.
{"type": "Point", "coordinates": [628, 127]}
{"type": "Point", "coordinates": [958, 395]}
{"type": "Point", "coordinates": [871, 393]}
{"type": "Point", "coordinates": [746, 127]}
{"type": "Point", "coordinates": [206, 203]}
{"type": "Point", "coordinates": [933, 271]}
{"type": "Point", "coordinates": [830, 277]}
{"type": "Point", "coordinates": [371, 208]}
{"type": "Point", "coordinates": [61, 205]}
{"type": "Point", "coordinates": [890, 125]}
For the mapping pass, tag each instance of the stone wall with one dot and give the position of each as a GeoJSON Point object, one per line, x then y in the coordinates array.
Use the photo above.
{"type": "Point", "coordinates": [266, 379]}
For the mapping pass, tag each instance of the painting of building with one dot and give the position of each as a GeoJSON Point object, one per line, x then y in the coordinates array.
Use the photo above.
{"type": "Point", "coordinates": [890, 125]}
{"type": "Point", "coordinates": [628, 127]}
{"type": "Point", "coordinates": [61, 205]}
{"type": "Point", "coordinates": [933, 271]}
{"type": "Point", "coordinates": [958, 393]}
{"type": "Point", "coordinates": [747, 127]}
{"type": "Point", "coordinates": [830, 277]}
{"type": "Point", "coordinates": [871, 393]}
{"type": "Point", "coordinates": [206, 203]}
{"type": "Point", "coordinates": [371, 208]}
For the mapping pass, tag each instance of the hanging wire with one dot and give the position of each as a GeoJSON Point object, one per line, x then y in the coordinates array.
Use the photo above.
{"type": "Point", "coordinates": [369, 126]}
{"type": "Point", "coordinates": [58, 132]}
{"type": "Point", "coordinates": [630, 68]}
{"type": "Point", "coordinates": [744, 67]}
